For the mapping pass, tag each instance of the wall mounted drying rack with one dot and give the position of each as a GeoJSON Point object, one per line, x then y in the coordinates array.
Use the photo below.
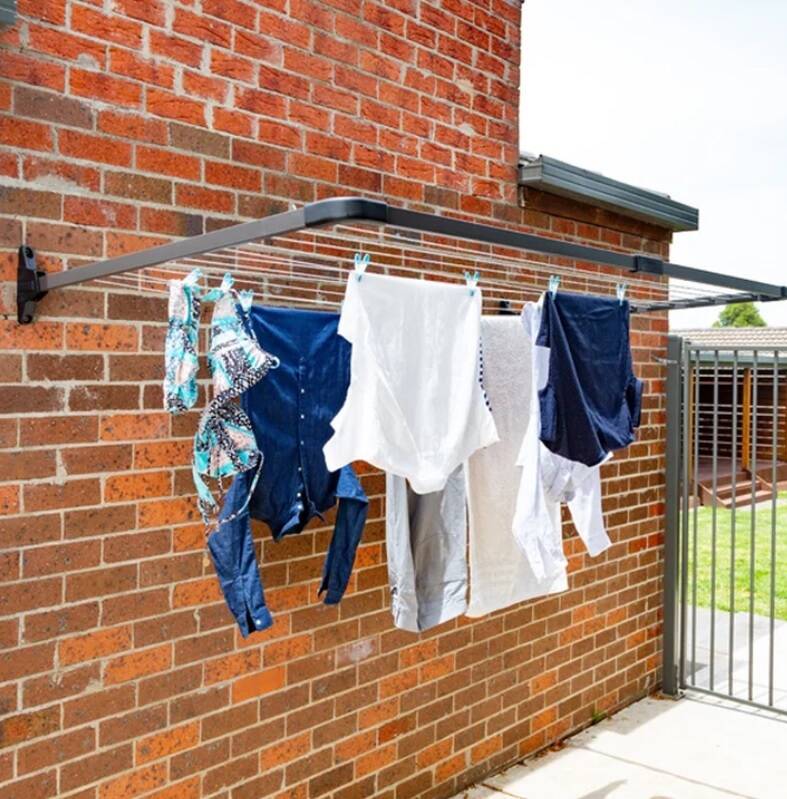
{"type": "Point", "coordinates": [33, 283]}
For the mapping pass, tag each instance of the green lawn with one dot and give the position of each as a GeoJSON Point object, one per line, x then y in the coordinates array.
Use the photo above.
{"type": "Point", "coordinates": [762, 558]}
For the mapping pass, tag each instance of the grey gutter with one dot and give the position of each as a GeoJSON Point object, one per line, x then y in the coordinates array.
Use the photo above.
{"type": "Point", "coordinates": [558, 177]}
{"type": "Point", "coordinates": [7, 12]}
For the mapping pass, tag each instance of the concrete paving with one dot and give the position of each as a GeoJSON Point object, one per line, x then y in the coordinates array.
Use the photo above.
{"type": "Point", "coordinates": [752, 679]}
{"type": "Point", "coordinates": [694, 748]}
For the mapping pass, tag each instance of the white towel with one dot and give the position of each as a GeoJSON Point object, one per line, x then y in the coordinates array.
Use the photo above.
{"type": "Point", "coordinates": [414, 407]}
{"type": "Point", "coordinates": [500, 574]}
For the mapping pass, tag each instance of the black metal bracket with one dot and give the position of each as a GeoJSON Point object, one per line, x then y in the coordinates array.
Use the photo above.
{"type": "Point", "coordinates": [648, 265]}
{"type": "Point", "coordinates": [28, 285]}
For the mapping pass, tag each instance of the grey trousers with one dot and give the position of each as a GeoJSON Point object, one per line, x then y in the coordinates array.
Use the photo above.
{"type": "Point", "coordinates": [426, 540]}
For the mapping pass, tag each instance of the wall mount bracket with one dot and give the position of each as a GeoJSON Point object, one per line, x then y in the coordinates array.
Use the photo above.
{"type": "Point", "coordinates": [29, 290]}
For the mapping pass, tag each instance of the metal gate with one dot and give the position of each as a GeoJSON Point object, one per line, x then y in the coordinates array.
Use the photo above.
{"type": "Point", "coordinates": [725, 617]}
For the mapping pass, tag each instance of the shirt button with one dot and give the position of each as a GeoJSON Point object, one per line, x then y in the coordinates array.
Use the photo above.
{"type": "Point", "coordinates": [303, 416]}
{"type": "Point", "coordinates": [303, 391]}
{"type": "Point", "coordinates": [257, 622]}
{"type": "Point", "coordinates": [298, 494]}
{"type": "Point", "coordinates": [300, 468]}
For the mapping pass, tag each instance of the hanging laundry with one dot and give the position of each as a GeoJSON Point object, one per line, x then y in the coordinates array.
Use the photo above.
{"type": "Point", "coordinates": [591, 402]}
{"type": "Point", "coordinates": [547, 480]}
{"type": "Point", "coordinates": [500, 573]}
{"type": "Point", "coordinates": [414, 407]}
{"type": "Point", "coordinates": [224, 443]}
{"type": "Point", "coordinates": [181, 358]}
{"type": "Point", "coordinates": [290, 414]}
{"type": "Point", "coordinates": [426, 544]}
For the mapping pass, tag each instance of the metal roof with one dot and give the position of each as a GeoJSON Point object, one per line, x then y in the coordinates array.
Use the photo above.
{"type": "Point", "coordinates": [735, 337]}
{"type": "Point", "coordinates": [558, 177]}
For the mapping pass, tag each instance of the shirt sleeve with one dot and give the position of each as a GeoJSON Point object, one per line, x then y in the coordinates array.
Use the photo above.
{"type": "Point", "coordinates": [232, 551]}
{"type": "Point", "coordinates": [350, 521]}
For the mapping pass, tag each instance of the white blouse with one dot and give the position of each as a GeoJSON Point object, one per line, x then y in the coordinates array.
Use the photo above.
{"type": "Point", "coordinates": [414, 407]}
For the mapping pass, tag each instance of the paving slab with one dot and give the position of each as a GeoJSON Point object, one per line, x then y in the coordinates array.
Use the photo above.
{"type": "Point", "coordinates": [694, 748]}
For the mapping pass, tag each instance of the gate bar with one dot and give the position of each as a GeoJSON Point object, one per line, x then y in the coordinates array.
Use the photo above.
{"type": "Point", "coordinates": [670, 678]}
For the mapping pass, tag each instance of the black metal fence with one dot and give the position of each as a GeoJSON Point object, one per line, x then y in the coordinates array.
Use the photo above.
{"type": "Point", "coordinates": [726, 549]}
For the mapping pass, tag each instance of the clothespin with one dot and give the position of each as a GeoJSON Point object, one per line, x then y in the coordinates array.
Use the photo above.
{"type": "Point", "coordinates": [361, 262]}
{"type": "Point", "coordinates": [226, 283]}
{"type": "Point", "coordinates": [620, 290]}
{"type": "Point", "coordinates": [554, 283]}
{"type": "Point", "coordinates": [472, 278]}
{"type": "Point", "coordinates": [193, 277]}
{"type": "Point", "coordinates": [245, 298]}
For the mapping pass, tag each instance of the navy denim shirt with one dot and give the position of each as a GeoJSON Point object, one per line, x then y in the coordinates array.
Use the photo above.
{"type": "Point", "coordinates": [291, 411]}
{"type": "Point", "coordinates": [592, 400]}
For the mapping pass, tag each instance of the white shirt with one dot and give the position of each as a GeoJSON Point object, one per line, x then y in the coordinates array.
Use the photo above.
{"type": "Point", "coordinates": [549, 479]}
{"type": "Point", "coordinates": [414, 406]}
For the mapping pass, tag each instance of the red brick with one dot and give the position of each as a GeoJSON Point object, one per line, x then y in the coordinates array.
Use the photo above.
{"type": "Point", "coordinates": [232, 66]}
{"type": "Point", "coordinates": [67, 746]}
{"type": "Point", "coordinates": [233, 11]}
{"type": "Point", "coordinates": [138, 664]}
{"type": "Point", "coordinates": [72, 493]}
{"type": "Point", "coordinates": [53, 623]}
{"type": "Point", "coordinates": [22, 68]}
{"type": "Point", "coordinates": [39, 786]}
{"type": "Point", "coordinates": [98, 213]}
{"type": "Point", "coordinates": [98, 86]}
{"type": "Point", "coordinates": [167, 743]}
{"type": "Point", "coordinates": [120, 488]}
{"type": "Point", "coordinates": [132, 126]}
{"type": "Point", "coordinates": [101, 582]}
{"type": "Point", "coordinates": [24, 726]}
{"type": "Point", "coordinates": [130, 65]}
{"type": "Point", "coordinates": [208, 199]}
{"type": "Point", "coordinates": [99, 704]}
{"type": "Point", "coordinates": [64, 238]}
{"type": "Point", "coordinates": [36, 168]}
{"type": "Point", "coordinates": [107, 28]}
{"type": "Point", "coordinates": [94, 148]}
{"type": "Point", "coordinates": [25, 661]}
{"type": "Point", "coordinates": [94, 645]}
{"type": "Point", "coordinates": [135, 783]}
{"type": "Point", "coordinates": [151, 11]}
{"type": "Point", "coordinates": [254, 685]}
{"type": "Point", "coordinates": [202, 28]}
{"type": "Point", "coordinates": [232, 176]}
{"type": "Point", "coordinates": [176, 48]}
{"type": "Point", "coordinates": [210, 88]}
{"type": "Point", "coordinates": [24, 134]}
{"type": "Point", "coordinates": [63, 44]}
{"type": "Point", "coordinates": [95, 767]}
{"type": "Point", "coordinates": [60, 558]}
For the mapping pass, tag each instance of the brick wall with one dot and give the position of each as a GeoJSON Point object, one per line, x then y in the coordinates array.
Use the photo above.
{"type": "Point", "coordinates": [124, 123]}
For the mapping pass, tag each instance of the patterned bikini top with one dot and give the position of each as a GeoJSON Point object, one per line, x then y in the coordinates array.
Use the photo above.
{"type": "Point", "coordinates": [224, 443]}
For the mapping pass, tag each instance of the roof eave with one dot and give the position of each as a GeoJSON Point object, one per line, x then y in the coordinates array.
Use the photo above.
{"type": "Point", "coordinates": [558, 177]}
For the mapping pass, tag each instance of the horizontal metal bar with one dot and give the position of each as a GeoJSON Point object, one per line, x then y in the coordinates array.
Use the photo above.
{"type": "Point", "coordinates": [343, 209]}
{"type": "Point", "coordinates": [276, 225]}
{"type": "Point", "coordinates": [703, 302]}
{"type": "Point", "coordinates": [726, 281]}
{"type": "Point", "coordinates": [489, 234]}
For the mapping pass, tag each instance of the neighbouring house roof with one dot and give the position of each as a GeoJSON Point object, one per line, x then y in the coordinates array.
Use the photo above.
{"type": "Point", "coordinates": [736, 337]}
{"type": "Point", "coordinates": [558, 177]}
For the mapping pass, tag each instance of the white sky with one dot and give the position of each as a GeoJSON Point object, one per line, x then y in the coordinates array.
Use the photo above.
{"type": "Point", "coordinates": [686, 97]}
